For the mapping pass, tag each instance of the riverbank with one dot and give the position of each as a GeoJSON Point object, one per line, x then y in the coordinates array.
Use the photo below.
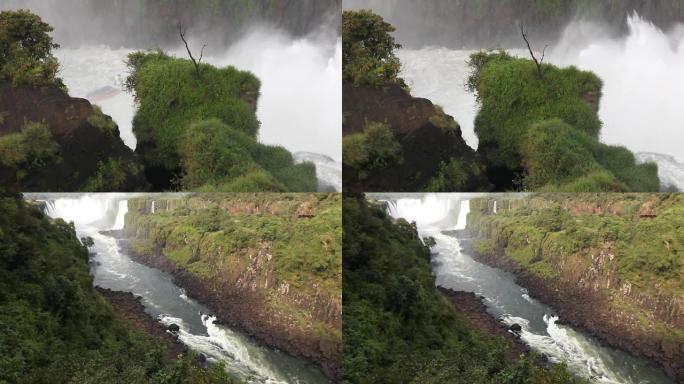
{"type": "Point", "coordinates": [585, 312]}
{"type": "Point", "coordinates": [242, 310]}
{"type": "Point", "coordinates": [129, 307]}
{"type": "Point", "coordinates": [471, 306]}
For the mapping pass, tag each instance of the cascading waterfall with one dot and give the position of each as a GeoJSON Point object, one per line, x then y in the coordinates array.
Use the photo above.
{"type": "Point", "coordinates": [152, 209]}
{"type": "Point", "coordinates": [463, 215]}
{"type": "Point", "coordinates": [121, 215]}
{"type": "Point", "coordinates": [114, 269]}
{"type": "Point", "coordinates": [511, 303]}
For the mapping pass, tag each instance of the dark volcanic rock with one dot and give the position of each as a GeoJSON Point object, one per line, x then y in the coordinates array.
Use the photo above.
{"type": "Point", "coordinates": [173, 328]}
{"type": "Point", "coordinates": [515, 328]}
{"type": "Point", "coordinates": [82, 146]}
{"type": "Point", "coordinates": [412, 120]}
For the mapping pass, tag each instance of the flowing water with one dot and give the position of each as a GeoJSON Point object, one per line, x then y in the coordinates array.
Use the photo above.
{"type": "Point", "coordinates": [455, 269]}
{"type": "Point", "coordinates": [643, 75]}
{"type": "Point", "coordinates": [113, 269]}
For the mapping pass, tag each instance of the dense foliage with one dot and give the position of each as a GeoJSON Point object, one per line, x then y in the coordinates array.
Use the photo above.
{"type": "Point", "coordinates": [204, 129]}
{"type": "Point", "coordinates": [33, 147]}
{"type": "Point", "coordinates": [368, 50]}
{"type": "Point", "coordinates": [398, 328]}
{"type": "Point", "coordinates": [215, 156]}
{"type": "Point", "coordinates": [170, 98]}
{"type": "Point", "coordinates": [543, 133]}
{"type": "Point", "coordinates": [371, 151]}
{"type": "Point", "coordinates": [557, 236]}
{"type": "Point", "coordinates": [55, 327]}
{"type": "Point", "coordinates": [26, 49]}
{"type": "Point", "coordinates": [217, 238]}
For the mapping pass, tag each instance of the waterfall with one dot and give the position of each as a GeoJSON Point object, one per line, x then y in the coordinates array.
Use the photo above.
{"type": "Point", "coordinates": [429, 209]}
{"type": "Point", "coordinates": [121, 215]}
{"type": "Point", "coordinates": [152, 210]}
{"type": "Point", "coordinates": [494, 210]}
{"type": "Point", "coordinates": [463, 214]}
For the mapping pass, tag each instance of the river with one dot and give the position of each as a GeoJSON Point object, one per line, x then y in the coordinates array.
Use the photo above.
{"type": "Point", "coordinates": [504, 299]}
{"type": "Point", "coordinates": [112, 268]}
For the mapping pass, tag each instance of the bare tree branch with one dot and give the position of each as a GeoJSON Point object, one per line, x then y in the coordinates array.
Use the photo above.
{"type": "Point", "coordinates": [195, 62]}
{"type": "Point", "coordinates": [538, 63]}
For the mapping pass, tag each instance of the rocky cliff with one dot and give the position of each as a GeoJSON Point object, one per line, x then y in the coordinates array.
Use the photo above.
{"type": "Point", "coordinates": [610, 264]}
{"type": "Point", "coordinates": [269, 264]}
{"type": "Point", "coordinates": [427, 136]}
{"type": "Point", "coordinates": [90, 155]}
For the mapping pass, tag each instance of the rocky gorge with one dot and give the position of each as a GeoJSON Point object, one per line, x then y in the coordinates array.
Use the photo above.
{"type": "Point", "coordinates": [609, 265]}
{"type": "Point", "coordinates": [242, 271]}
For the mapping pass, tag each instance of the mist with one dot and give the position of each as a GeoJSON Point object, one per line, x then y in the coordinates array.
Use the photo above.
{"type": "Point", "coordinates": [643, 75]}
{"type": "Point", "coordinates": [300, 69]}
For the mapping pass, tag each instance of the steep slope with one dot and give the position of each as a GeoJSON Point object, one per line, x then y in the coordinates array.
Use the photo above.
{"type": "Point", "coordinates": [56, 327]}
{"type": "Point", "coordinates": [611, 263]}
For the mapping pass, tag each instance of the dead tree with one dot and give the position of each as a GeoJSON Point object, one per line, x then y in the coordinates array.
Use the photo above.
{"type": "Point", "coordinates": [538, 63]}
{"type": "Point", "coordinates": [195, 62]}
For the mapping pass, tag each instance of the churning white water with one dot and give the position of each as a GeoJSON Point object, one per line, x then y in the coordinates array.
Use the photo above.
{"type": "Point", "coordinates": [114, 269]}
{"type": "Point", "coordinates": [643, 74]}
{"type": "Point", "coordinates": [508, 301]}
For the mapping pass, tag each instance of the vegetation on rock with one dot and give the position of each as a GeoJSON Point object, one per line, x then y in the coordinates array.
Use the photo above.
{"type": "Point", "coordinates": [371, 151]}
{"type": "Point", "coordinates": [204, 129]}
{"type": "Point", "coordinates": [33, 147]}
{"type": "Point", "coordinates": [398, 328]}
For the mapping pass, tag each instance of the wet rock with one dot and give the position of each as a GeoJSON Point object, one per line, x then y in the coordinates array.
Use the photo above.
{"type": "Point", "coordinates": [173, 328]}
{"type": "Point", "coordinates": [515, 328]}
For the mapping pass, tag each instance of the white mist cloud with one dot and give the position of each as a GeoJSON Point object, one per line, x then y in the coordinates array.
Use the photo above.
{"type": "Point", "coordinates": [643, 74]}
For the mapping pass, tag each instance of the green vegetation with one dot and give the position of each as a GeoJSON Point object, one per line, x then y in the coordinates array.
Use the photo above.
{"type": "Point", "coordinates": [26, 50]}
{"type": "Point", "coordinates": [398, 328]}
{"type": "Point", "coordinates": [218, 157]}
{"type": "Point", "coordinates": [32, 148]}
{"type": "Point", "coordinates": [558, 157]}
{"type": "Point", "coordinates": [103, 122]}
{"type": "Point", "coordinates": [170, 98]}
{"type": "Point", "coordinates": [273, 240]}
{"type": "Point", "coordinates": [55, 327]}
{"type": "Point", "coordinates": [111, 176]}
{"type": "Point", "coordinates": [371, 151]}
{"type": "Point", "coordinates": [368, 50]}
{"type": "Point", "coordinates": [632, 240]}
{"type": "Point", "coordinates": [206, 127]}
{"type": "Point", "coordinates": [548, 128]}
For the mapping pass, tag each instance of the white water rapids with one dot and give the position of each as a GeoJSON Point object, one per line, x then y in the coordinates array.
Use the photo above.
{"type": "Point", "coordinates": [643, 74]}
{"type": "Point", "coordinates": [112, 268]}
{"type": "Point", "coordinates": [454, 269]}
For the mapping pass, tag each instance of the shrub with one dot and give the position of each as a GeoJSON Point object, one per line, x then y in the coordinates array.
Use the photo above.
{"type": "Point", "coordinates": [513, 99]}
{"type": "Point", "coordinates": [111, 176]}
{"type": "Point", "coordinates": [34, 147]}
{"type": "Point", "coordinates": [368, 50]}
{"type": "Point", "coordinates": [26, 50]}
{"type": "Point", "coordinates": [103, 122]}
{"type": "Point", "coordinates": [452, 176]}
{"type": "Point", "coordinates": [371, 151]}
{"type": "Point", "coordinates": [171, 98]}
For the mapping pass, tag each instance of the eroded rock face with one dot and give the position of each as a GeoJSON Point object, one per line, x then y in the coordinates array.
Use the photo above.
{"type": "Point", "coordinates": [243, 289]}
{"type": "Point", "coordinates": [414, 122]}
{"type": "Point", "coordinates": [588, 289]}
{"type": "Point", "coordinates": [83, 147]}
